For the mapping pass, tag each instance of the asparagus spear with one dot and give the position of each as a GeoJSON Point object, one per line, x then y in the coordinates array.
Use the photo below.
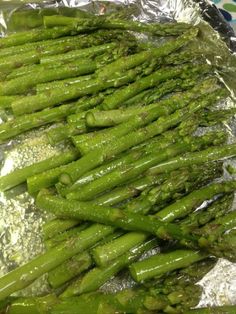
{"type": "Point", "coordinates": [92, 39]}
{"type": "Point", "coordinates": [219, 236]}
{"type": "Point", "coordinates": [143, 204]}
{"type": "Point", "coordinates": [196, 158]}
{"type": "Point", "coordinates": [103, 118]}
{"type": "Point", "coordinates": [217, 209]}
{"type": "Point", "coordinates": [170, 137]}
{"type": "Point", "coordinates": [111, 48]}
{"type": "Point", "coordinates": [40, 88]}
{"type": "Point", "coordinates": [104, 22]}
{"type": "Point", "coordinates": [115, 244]}
{"type": "Point", "coordinates": [51, 177]}
{"type": "Point", "coordinates": [137, 167]}
{"type": "Point", "coordinates": [34, 35]}
{"type": "Point", "coordinates": [24, 19]}
{"type": "Point", "coordinates": [95, 278]}
{"type": "Point", "coordinates": [123, 162]}
{"type": "Point", "coordinates": [60, 133]}
{"type": "Point", "coordinates": [40, 101]}
{"type": "Point", "coordinates": [167, 262]}
{"type": "Point", "coordinates": [75, 265]}
{"type": "Point", "coordinates": [210, 118]}
{"type": "Point", "coordinates": [146, 115]}
{"type": "Point", "coordinates": [9, 51]}
{"type": "Point", "coordinates": [119, 246]}
{"type": "Point", "coordinates": [34, 56]}
{"type": "Point", "coordinates": [181, 207]}
{"type": "Point", "coordinates": [24, 275]}
{"type": "Point", "coordinates": [174, 188]}
{"type": "Point", "coordinates": [4, 304]}
{"type": "Point", "coordinates": [65, 131]}
{"type": "Point", "coordinates": [6, 101]}
{"type": "Point", "coordinates": [111, 250]}
{"type": "Point", "coordinates": [100, 155]}
{"type": "Point", "coordinates": [56, 274]}
{"type": "Point", "coordinates": [160, 142]}
{"type": "Point", "coordinates": [184, 206]}
{"type": "Point", "coordinates": [163, 141]}
{"type": "Point", "coordinates": [155, 55]}
{"type": "Point", "coordinates": [94, 86]}
{"type": "Point", "coordinates": [33, 305]}
{"type": "Point", "coordinates": [45, 179]}
{"type": "Point", "coordinates": [107, 118]}
{"type": "Point", "coordinates": [149, 96]}
{"type": "Point", "coordinates": [47, 304]}
{"type": "Point", "coordinates": [20, 175]}
{"type": "Point", "coordinates": [83, 41]}
{"type": "Point", "coordinates": [160, 264]}
{"type": "Point", "coordinates": [61, 236]}
{"type": "Point", "coordinates": [27, 122]}
{"type": "Point", "coordinates": [37, 54]}
{"type": "Point", "coordinates": [82, 105]}
{"type": "Point", "coordinates": [175, 294]}
{"type": "Point", "coordinates": [24, 83]}
{"type": "Point", "coordinates": [70, 269]}
{"type": "Point", "coordinates": [132, 189]}
{"type": "Point", "coordinates": [121, 96]}
{"type": "Point", "coordinates": [25, 70]}
{"type": "Point", "coordinates": [53, 227]}
{"type": "Point", "coordinates": [114, 216]}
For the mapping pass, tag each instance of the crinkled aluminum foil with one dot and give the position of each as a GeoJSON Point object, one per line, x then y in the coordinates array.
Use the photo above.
{"type": "Point", "coordinates": [20, 222]}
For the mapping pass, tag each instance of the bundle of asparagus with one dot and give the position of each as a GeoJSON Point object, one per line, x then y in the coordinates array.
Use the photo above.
{"type": "Point", "coordinates": [135, 175]}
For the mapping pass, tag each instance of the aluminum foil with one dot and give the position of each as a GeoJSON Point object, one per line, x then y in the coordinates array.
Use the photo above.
{"type": "Point", "coordinates": [20, 222]}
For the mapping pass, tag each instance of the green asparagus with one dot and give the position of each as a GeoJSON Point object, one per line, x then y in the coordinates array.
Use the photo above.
{"type": "Point", "coordinates": [6, 101]}
{"type": "Point", "coordinates": [32, 57]}
{"type": "Point", "coordinates": [138, 177]}
{"type": "Point", "coordinates": [27, 122]}
{"type": "Point", "coordinates": [103, 22]}
{"type": "Point", "coordinates": [20, 175]}
{"type": "Point", "coordinates": [161, 142]}
{"type": "Point", "coordinates": [74, 55]}
{"type": "Point", "coordinates": [61, 83]}
{"type": "Point", "coordinates": [117, 217]}
{"type": "Point", "coordinates": [98, 276]}
{"type": "Point", "coordinates": [23, 276]}
{"type": "Point", "coordinates": [64, 234]}
{"type": "Point", "coordinates": [106, 152]}
{"type": "Point", "coordinates": [112, 117]}
{"type": "Point", "coordinates": [197, 158]}
{"type": "Point", "coordinates": [53, 227]}
{"type": "Point", "coordinates": [175, 294]}
{"type": "Point", "coordinates": [120, 96]}
{"type": "Point", "coordinates": [144, 204]}
{"type": "Point", "coordinates": [23, 84]}
{"type": "Point", "coordinates": [75, 265]}
{"type": "Point", "coordinates": [153, 55]}
{"type": "Point", "coordinates": [160, 264]}
{"type": "Point", "coordinates": [183, 207]}
{"type": "Point", "coordinates": [146, 115]}
{"type": "Point", "coordinates": [44, 100]}
{"type": "Point", "coordinates": [218, 208]}
{"type": "Point", "coordinates": [137, 167]}
{"type": "Point", "coordinates": [34, 35]}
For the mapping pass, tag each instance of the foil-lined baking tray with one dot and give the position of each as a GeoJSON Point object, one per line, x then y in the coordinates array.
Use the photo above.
{"type": "Point", "coordinates": [20, 222]}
